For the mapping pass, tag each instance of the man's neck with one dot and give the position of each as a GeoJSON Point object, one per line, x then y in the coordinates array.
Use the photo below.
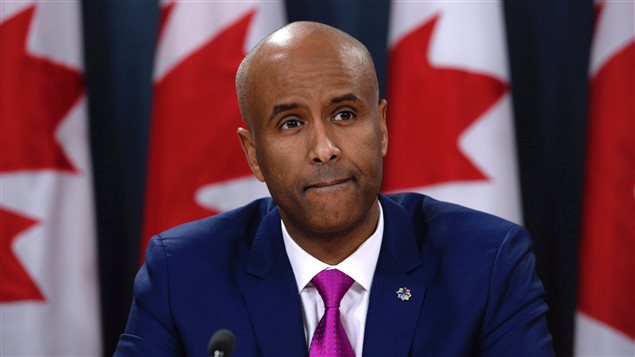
{"type": "Point", "coordinates": [333, 247]}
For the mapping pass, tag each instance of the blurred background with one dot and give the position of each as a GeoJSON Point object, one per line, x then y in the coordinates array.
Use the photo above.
{"type": "Point", "coordinates": [118, 121]}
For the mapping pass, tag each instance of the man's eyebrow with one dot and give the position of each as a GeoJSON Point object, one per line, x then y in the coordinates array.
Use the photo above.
{"type": "Point", "coordinates": [349, 97]}
{"type": "Point", "coordinates": [283, 107]}
{"type": "Point", "coordinates": [279, 108]}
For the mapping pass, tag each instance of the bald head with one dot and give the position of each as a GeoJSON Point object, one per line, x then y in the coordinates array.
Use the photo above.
{"type": "Point", "coordinates": [299, 43]}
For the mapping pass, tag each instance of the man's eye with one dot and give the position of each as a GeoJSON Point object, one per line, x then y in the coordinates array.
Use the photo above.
{"type": "Point", "coordinates": [291, 124]}
{"type": "Point", "coordinates": [345, 115]}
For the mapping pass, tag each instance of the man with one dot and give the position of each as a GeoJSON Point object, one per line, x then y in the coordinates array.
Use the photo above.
{"type": "Point", "coordinates": [411, 275]}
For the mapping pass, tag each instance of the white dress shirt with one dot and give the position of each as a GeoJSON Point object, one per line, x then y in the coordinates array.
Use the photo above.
{"type": "Point", "coordinates": [354, 305]}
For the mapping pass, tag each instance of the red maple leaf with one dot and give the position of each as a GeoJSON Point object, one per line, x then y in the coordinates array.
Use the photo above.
{"type": "Point", "coordinates": [605, 290]}
{"type": "Point", "coordinates": [428, 109]}
{"type": "Point", "coordinates": [193, 136]}
{"type": "Point", "coordinates": [35, 96]}
{"type": "Point", "coordinates": [16, 282]}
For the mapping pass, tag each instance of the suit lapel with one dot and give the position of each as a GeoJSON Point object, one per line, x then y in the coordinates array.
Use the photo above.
{"type": "Point", "coordinates": [391, 322]}
{"type": "Point", "coordinates": [271, 294]}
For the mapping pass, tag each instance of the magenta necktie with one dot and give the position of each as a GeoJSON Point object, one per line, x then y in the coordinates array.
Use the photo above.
{"type": "Point", "coordinates": [329, 338]}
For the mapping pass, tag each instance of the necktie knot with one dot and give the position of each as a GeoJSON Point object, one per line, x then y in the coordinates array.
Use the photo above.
{"type": "Point", "coordinates": [332, 285]}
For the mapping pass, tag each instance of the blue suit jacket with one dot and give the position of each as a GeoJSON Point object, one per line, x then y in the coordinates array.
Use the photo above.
{"type": "Point", "coordinates": [474, 288]}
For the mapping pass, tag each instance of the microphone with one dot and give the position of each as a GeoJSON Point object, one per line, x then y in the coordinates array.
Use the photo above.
{"type": "Point", "coordinates": [221, 344]}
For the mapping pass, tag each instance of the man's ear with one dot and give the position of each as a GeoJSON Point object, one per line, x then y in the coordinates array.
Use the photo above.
{"type": "Point", "coordinates": [383, 107]}
{"type": "Point", "coordinates": [247, 143]}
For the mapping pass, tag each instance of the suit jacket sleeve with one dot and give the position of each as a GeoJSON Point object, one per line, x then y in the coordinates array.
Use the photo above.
{"type": "Point", "coordinates": [151, 330]}
{"type": "Point", "coordinates": [515, 322]}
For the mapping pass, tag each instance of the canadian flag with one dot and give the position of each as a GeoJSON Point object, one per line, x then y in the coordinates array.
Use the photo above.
{"type": "Point", "coordinates": [196, 166]}
{"type": "Point", "coordinates": [605, 324]}
{"type": "Point", "coordinates": [49, 302]}
{"type": "Point", "coordinates": [449, 108]}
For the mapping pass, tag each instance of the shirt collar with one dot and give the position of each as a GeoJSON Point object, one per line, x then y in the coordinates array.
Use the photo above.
{"type": "Point", "coordinates": [360, 265]}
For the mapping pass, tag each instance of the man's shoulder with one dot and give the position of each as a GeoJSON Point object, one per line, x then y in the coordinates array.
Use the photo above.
{"type": "Point", "coordinates": [433, 211]}
{"type": "Point", "coordinates": [442, 223]}
{"type": "Point", "coordinates": [223, 228]}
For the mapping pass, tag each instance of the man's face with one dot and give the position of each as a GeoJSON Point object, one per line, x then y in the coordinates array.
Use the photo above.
{"type": "Point", "coordinates": [318, 136]}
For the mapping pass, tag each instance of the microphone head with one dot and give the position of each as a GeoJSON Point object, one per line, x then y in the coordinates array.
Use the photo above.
{"type": "Point", "coordinates": [221, 344]}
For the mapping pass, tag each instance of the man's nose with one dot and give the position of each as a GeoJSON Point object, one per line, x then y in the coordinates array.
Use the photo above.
{"type": "Point", "coordinates": [323, 147]}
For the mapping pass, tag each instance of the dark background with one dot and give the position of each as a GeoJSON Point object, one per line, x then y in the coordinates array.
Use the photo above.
{"type": "Point", "coordinates": [548, 48]}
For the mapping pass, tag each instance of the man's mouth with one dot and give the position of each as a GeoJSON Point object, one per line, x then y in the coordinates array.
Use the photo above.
{"type": "Point", "coordinates": [328, 183]}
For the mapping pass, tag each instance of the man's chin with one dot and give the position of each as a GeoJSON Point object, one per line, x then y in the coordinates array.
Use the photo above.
{"type": "Point", "coordinates": [331, 211]}
{"type": "Point", "coordinates": [337, 219]}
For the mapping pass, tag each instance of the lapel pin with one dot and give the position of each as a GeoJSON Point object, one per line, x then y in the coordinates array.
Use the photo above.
{"type": "Point", "coordinates": [404, 294]}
